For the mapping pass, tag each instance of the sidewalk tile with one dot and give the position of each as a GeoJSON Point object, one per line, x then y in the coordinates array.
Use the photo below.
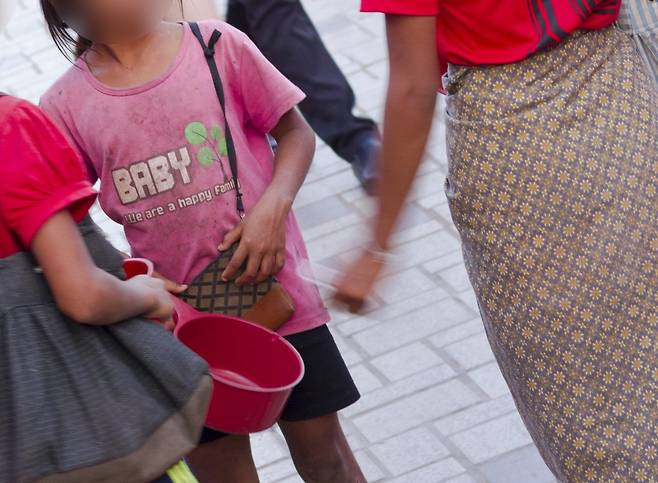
{"type": "Point", "coordinates": [492, 439]}
{"type": "Point", "coordinates": [406, 361]}
{"type": "Point", "coordinates": [433, 473]}
{"type": "Point", "coordinates": [409, 451]}
{"type": "Point", "coordinates": [414, 410]}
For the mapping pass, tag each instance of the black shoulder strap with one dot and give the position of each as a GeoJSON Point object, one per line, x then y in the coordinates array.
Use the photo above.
{"type": "Point", "coordinates": [209, 51]}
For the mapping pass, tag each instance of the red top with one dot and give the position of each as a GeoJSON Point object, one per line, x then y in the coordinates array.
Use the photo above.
{"type": "Point", "coordinates": [40, 175]}
{"type": "Point", "coordinates": [477, 32]}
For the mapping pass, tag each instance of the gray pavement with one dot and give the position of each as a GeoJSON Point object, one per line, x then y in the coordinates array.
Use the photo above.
{"type": "Point", "coordinates": [435, 407]}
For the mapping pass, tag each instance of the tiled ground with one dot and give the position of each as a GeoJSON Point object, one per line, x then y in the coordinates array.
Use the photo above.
{"type": "Point", "coordinates": [435, 407]}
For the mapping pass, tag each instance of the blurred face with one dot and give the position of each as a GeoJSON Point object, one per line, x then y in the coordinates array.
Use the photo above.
{"type": "Point", "coordinates": [107, 21]}
{"type": "Point", "coordinates": [6, 8]}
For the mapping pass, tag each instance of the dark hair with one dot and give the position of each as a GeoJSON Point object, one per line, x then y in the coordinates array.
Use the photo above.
{"type": "Point", "coordinates": [72, 47]}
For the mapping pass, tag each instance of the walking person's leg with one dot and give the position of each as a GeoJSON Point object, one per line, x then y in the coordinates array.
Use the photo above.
{"type": "Point", "coordinates": [282, 30]}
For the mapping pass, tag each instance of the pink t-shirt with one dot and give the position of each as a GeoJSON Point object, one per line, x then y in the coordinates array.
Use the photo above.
{"type": "Point", "coordinates": [159, 151]}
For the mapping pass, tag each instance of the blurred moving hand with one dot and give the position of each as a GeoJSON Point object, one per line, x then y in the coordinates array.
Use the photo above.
{"type": "Point", "coordinates": [358, 280]}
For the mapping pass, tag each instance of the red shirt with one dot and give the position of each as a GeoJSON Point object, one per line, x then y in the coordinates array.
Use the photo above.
{"type": "Point", "coordinates": [40, 175]}
{"type": "Point", "coordinates": [478, 32]}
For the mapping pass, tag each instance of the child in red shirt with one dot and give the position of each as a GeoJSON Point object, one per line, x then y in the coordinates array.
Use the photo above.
{"type": "Point", "coordinates": [83, 397]}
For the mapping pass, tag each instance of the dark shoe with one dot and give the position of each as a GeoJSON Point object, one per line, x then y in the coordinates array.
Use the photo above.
{"type": "Point", "coordinates": [364, 163]}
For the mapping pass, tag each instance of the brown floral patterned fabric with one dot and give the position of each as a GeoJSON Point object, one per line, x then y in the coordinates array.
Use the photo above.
{"type": "Point", "coordinates": [553, 185]}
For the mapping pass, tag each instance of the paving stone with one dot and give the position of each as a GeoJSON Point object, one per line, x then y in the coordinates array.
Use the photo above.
{"type": "Point", "coordinates": [321, 212]}
{"type": "Point", "coordinates": [277, 471]}
{"type": "Point", "coordinates": [357, 324]}
{"type": "Point", "coordinates": [326, 187]}
{"type": "Point", "coordinates": [365, 380]}
{"type": "Point", "coordinates": [492, 439]}
{"type": "Point", "coordinates": [337, 242]}
{"type": "Point", "coordinates": [349, 353]}
{"type": "Point", "coordinates": [446, 260]}
{"type": "Point", "coordinates": [475, 415]}
{"type": "Point", "coordinates": [527, 464]}
{"type": "Point", "coordinates": [443, 211]}
{"type": "Point", "coordinates": [406, 361]}
{"type": "Point", "coordinates": [292, 479]}
{"type": "Point", "coordinates": [332, 226]}
{"type": "Point", "coordinates": [427, 185]}
{"type": "Point", "coordinates": [433, 473]}
{"type": "Point", "coordinates": [367, 54]}
{"type": "Point", "coordinates": [490, 380]}
{"type": "Point", "coordinates": [410, 219]}
{"type": "Point", "coordinates": [417, 325]}
{"type": "Point", "coordinates": [388, 312]}
{"type": "Point", "coordinates": [456, 333]}
{"type": "Point", "coordinates": [399, 389]}
{"type": "Point", "coordinates": [267, 448]}
{"type": "Point", "coordinates": [471, 352]}
{"type": "Point", "coordinates": [356, 441]}
{"type": "Point", "coordinates": [379, 69]}
{"type": "Point", "coordinates": [432, 200]}
{"type": "Point", "coordinates": [469, 298]}
{"type": "Point", "coordinates": [456, 277]}
{"type": "Point", "coordinates": [403, 285]}
{"type": "Point", "coordinates": [424, 249]}
{"type": "Point", "coordinates": [414, 410]}
{"type": "Point", "coordinates": [462, 479]}
{"type": "Point", "coordinates": [409, 451]}
{"type": "Point", "coordinates": [370, 469]}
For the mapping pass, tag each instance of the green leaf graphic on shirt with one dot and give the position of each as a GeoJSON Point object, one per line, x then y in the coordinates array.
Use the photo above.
{"type": "Point", "coordinates": [222, 147]}
{"type": "Point", "coordinates": [196, 133]}
{"type": "Point", "coordinates": [218, 135]}
{"type": "Point", "coordinates": [205, 156]}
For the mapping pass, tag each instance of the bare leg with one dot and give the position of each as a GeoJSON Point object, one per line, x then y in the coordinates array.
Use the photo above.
{"type": "Point", "coordinates": [321, 452]}
{"type": "Point", "coordinates": [226, 460]}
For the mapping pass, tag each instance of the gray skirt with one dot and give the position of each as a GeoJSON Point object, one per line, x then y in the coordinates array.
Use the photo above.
{"type": "Point", "coordinates": [553, 186]}
{"type": "Point", "coordinates": [120, 403]}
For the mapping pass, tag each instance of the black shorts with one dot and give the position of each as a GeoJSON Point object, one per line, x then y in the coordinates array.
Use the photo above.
{"type": "Point", "coordinates": [327, 386]}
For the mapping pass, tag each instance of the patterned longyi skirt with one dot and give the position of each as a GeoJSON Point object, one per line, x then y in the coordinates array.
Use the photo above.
{"type": "Point", "coordinates": [553, 186]}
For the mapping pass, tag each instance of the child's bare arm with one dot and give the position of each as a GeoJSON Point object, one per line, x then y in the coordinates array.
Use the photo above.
{"type": "Point", "coordinates": [86, 293]}
{"type": "Point", "coordinates": [295, 150]}
{"type": "Point", "coordinates": [262, 234]}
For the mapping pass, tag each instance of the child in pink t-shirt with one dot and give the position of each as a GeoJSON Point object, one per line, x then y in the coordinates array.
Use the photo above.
{"type": "Point", "coordinates": [141, 107]}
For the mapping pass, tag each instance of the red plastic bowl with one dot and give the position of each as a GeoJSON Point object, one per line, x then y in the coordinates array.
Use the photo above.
{"type": "Point", "coordinates": [254, 370]}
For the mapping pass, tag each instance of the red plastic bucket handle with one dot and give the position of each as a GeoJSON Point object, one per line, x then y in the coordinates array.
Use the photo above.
{"type": "Point", "coordinates": [137, 266]}
{"type": "Point", "coordinates": [141, 266]}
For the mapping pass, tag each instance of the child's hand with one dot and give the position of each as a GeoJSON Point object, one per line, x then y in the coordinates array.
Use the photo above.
{"type": "Point", "coordinates": [153, 289]}
{"type": "Point", "coordinates": [262, 236]}
{"type": "Point", "coordinates": [170, 285]}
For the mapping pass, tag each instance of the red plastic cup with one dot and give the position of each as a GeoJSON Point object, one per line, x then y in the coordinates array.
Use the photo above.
{"type": "Point", "coordinates": [254, 370]}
